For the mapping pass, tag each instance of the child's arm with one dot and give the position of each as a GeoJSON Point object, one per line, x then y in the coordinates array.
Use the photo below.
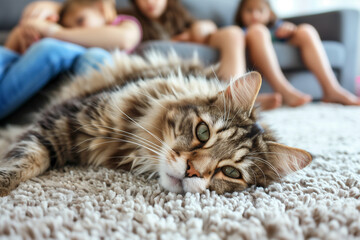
{"type": "Point", "coordinates": [182, 37]}
{"type": "Point", "coordinates": [20, 38]}
{"type": "Point", "coordinates": [198, 32]}
{"type": "Point", "coordinates": [285, 30]}
{"type": "Point", "coordinates": [124, 36]}
{"type": "Point", "coordinates": [44, 10]}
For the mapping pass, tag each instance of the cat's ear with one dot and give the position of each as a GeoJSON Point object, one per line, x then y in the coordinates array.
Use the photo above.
{"type": "Point", "coordinates": [286, 159]}
{"type": "Point", "coordinates": [244, 90]}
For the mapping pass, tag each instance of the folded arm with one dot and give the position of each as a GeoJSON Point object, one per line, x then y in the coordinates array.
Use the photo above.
{"type": "Point", "coordinates": [198, 32]}
{"type": "Point", "coordinates": [124, 36]}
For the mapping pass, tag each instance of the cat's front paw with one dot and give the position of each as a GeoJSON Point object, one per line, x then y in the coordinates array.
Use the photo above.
{"type": "Point", "coordinates": [6, 183]}
{"type": "Point", "coordinates": [4, 192]}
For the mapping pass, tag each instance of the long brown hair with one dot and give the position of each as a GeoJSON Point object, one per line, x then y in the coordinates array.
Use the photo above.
{"type": "Point", "coordinates": [68, 4]}
{"type": "Point", "coordinates": [238, 16]}
{"type": "Point", "coordinates": [174, 20]}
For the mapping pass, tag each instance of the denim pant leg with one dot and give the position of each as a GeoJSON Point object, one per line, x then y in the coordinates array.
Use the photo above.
{"type": "Point", "coordinates": [26, 76]}
{"type": "Point", "coordinates": [91, 59]}
{"type": "Point", "coordinates": [7, 57]}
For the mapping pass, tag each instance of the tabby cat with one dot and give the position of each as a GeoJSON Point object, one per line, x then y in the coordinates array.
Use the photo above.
{"type": "Point", "coordinates": [158, 115]}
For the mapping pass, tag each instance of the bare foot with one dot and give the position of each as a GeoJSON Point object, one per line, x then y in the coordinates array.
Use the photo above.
{"type": "Point", "coordinates": [341, 96]}
{"type": "Point", "coordinates": [295, 98]}
{"type": "Point", "coordinates": [269, 101]}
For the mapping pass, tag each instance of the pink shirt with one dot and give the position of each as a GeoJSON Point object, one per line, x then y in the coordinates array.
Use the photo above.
{"type": "Point", "coordinates": [121, 18]}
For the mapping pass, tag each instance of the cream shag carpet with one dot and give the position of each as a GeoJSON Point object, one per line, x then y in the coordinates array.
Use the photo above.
{"type": "Point", "coordinates": [322, 201]}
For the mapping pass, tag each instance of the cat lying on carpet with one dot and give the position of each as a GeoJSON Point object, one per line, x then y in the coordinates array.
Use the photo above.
{"type": "Point", "coordinates": [157, 115]}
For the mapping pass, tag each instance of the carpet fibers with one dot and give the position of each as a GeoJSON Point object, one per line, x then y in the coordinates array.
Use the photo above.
{"type": "Point", "coordinates": [321, 202]}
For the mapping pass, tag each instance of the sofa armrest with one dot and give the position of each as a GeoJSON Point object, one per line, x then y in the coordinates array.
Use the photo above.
{"type": "Point", "coordinates": [341, 26]}
{"type": "Point", "coordinates": [328, 24]}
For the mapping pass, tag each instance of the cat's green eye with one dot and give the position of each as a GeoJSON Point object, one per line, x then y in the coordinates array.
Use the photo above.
{"type": "Point", "coordinates": [202, 132]}
{"type": "Point", "coordinates": [231, 172]}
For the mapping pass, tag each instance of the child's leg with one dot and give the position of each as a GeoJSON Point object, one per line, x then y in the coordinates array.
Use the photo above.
{"type": "Point", "coordinates": [268, 101]}
{"type": "Point", "coordinates": [42, 62]}
{"type": "Point", "coordinates": [7, 57]}
{"type": "Point", "coordinates": [91, 59]}
{"type": "Point", "coordinates": [263, 56]}
{"type": "Point", "coordinates": [231, 43]}
{"type": "Point", "coordinates": [314, 56]}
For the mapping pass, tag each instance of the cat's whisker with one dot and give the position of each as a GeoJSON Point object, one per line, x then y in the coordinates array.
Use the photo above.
{"type": "Point", "coordinates": [236, 114]}
{"type": "Point", "coordinates": [220, 85]}
{"type": "Point", "coordinates": [254, 176]}
{"type": "Point", "coordinates": [275, 153]}
{"type": "Point", "coordinates": [157, 102]}
{"type": "Point", "coordinates": [132, 120]}
{"type": "Point", "coordinates": [261, 172]}
{"type": "Point", "coordinates": [139, 162]}
{"type": "Point", "coordinates": [224, 102]}
{"type": "Point", "coordinates": [261, 159]}
{"type": "Point", "coordinates": [138, 157]}
{"type": "Point", "coordinates": [174, 92]}
{"type": "Point", "coordinates": [222, 92]}
{"type": "Point", "coordinates": [139, 125]}
{"type": "Point", "coordinates": [119, 140]}
{"type": "Point", "coordinates": [139, 138]}
{"type": "Point", "coordinates": [126, 119]}
{"type": "Point", "coordinates": [135, 137]}
{"type": "Point", "coordinates": [267, 163]}
{"type": "Point", "coordinates": [90, 139]}
{"type": "Point", "coordinates": [142, 156]}
{"type": "Point", "coordinates": [229, 110]}
{"type": "Point", "coordinates": [217, 109]}
{"type": "Point", "coordinates": [216, 77]}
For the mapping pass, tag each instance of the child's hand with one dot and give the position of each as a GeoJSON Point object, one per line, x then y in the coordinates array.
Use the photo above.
{"type": "Point", "coordinates": [182, 37]}
{"type": "Point", "coordinates": [45, 28]}
{"type": "Point", "coordinates": [21, 38]}
{"type": "Point", "coordinates": [286, 30]}
{"type": "Point", "coordinates": [29, 36]}
{"type": "Point", "coordinates": [201, 30]}
{"type": "Point", "coordinates": [44, 10]}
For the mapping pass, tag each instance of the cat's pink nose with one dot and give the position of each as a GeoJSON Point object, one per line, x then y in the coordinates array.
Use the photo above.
{"type": "Point", "coordinates": [191, 171]}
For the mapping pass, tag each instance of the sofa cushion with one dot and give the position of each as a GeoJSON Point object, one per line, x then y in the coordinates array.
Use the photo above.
{"type": "Point", "coordinates": [186, 50]}
{"type": "Point", "coordinates": [221, 12]}
{"type": "Point", "coordinates": [3, 36]}
{"type": "Point", "coordinates": [289, 56]}
{"type": "Point", "coordinates": [290, 59]}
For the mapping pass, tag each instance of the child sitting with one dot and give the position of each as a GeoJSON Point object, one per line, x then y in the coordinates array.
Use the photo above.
{"type": "Point", "coordinates": [92, 23]}
{"type": "Point", "coordinates": [169, 20]}
{"type": "Point", "coordinates": [262, 27]}
{"type": "Point", "coordinates": [26, 64]}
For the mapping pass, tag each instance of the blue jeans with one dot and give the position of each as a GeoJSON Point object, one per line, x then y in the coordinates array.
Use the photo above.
{"type": "Point", "coordinates": [21, 76]}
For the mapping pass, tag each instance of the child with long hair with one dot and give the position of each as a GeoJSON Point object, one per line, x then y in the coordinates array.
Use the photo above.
{"type": "Point", "coordinates": [28, 62]}
{"type": "Point", "coordinates": [168, 19]}
{"type": "Point", "coordinates": [262, 27]}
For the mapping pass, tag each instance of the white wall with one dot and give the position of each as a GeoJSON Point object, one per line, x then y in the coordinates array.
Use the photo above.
{"type": "Point", "coordinates": [284, 8]}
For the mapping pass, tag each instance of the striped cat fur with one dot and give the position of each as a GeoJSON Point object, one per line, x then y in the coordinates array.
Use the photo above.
{"type": "Point", "coordinates": [157, 115]}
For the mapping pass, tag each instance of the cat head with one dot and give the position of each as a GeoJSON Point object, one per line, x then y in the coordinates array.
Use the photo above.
{"type": "Point", "coordinates": [217, 143]}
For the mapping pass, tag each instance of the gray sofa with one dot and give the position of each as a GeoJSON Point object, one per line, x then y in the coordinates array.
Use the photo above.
{"type": "Point", "coordinates": [339, 31]}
